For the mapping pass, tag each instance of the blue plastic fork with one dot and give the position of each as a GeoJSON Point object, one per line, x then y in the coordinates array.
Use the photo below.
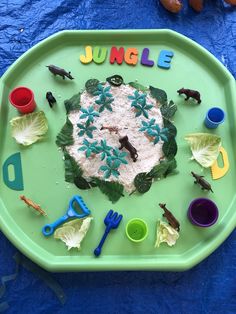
{"type": "Point", "coordinates": [112, 221]}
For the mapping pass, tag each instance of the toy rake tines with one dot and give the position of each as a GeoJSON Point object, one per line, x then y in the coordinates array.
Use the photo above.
{"type": "Point", "coordinates": [112, 219]}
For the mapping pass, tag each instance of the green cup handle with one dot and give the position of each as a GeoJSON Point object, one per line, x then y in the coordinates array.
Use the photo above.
{"type": "Point", "coordinates": [17, 183]}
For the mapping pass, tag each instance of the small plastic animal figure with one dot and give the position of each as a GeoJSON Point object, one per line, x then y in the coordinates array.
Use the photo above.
{"type": "Point", "coordinates": [124, 141]}
{"type": "Point", "coordinates": [33, 205]}
{"type": "Point", "coordinates": [190, 93]}
{"type": "Point", "coordinates": [173, 222]}
{"type": "Point", "coordinates": [110, 128]}
{"type": "Point", "coordinates": [59, 71]}
{"type": "Point", "coordinates": [202, 182]}
{"type": "Point", "coordinates": [51, 99]}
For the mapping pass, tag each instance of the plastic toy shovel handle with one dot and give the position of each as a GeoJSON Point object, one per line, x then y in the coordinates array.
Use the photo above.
{"type": "Point", "coordinates": [98, 250]}
{"type": "Point", "coordinates": [50, 228]}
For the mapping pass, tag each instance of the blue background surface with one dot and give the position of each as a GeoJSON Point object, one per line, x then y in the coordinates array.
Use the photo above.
{"type": "Point", "coordinates": [210, 287]}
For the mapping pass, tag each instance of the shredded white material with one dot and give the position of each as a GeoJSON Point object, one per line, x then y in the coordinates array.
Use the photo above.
{"type": "Point", "coordinates": [123, 117]}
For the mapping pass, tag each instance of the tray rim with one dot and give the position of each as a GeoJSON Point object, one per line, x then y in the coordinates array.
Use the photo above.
{"type": "Point", "coordinates": [55, 263]}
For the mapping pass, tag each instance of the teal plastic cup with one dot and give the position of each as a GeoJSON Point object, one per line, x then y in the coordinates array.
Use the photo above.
{"type": "Point", "coordinates": [136, 230]}
{"type": "Point", "coordinates": [214, 117]}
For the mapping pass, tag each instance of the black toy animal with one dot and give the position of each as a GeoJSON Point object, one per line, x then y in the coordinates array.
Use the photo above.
{"type": "Point", "coordinates": [202, 182]}
{"type": "Point", "coordinates": [173, 222]}
{"type": "Point", "coordinates": [124, 141]}
{"type": "Point", "coordinates": [51, 99]}
{"type": "Point", "coordinates": [59, 71]}
{"type": "Point", "coordinates": [190, 93]}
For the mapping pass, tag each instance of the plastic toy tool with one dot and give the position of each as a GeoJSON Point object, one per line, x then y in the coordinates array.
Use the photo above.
{"type": "Point", "coordinates": [217, 171]}
{"type": "Point", "coordinates": [112, 221]}
{"type": "Point", "coordinates": [16, 183]}
{"type": "Point", "coordinates": [76, 201]}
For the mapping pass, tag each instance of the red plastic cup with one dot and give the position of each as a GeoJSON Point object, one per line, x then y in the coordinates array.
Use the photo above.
{"type": "Point", "coordinates": [22, 98]}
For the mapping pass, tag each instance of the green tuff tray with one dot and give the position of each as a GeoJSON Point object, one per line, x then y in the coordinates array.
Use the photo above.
{"type": "Point", "coordinates": [43, 171]}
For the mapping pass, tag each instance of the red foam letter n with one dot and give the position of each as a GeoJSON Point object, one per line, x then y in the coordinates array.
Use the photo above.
{"type": "Point", "coordinates": [117, 55]}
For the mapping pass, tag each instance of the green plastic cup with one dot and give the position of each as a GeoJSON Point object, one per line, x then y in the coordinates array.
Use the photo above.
{"type": "Point", "coordinates": [136, 230]}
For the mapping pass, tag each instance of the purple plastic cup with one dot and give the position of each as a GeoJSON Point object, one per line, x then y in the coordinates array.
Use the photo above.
{"type": "Point", "coordinates": [203, 212]}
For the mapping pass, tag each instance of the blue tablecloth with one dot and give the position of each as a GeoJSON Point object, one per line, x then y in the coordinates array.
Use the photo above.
{"type": "Point", "coordinates": [209, 287]}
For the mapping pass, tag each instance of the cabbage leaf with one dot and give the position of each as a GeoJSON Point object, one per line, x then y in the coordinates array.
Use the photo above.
{"type": "Point", "coordinates": [29, 128]}
{"type": "Point", "coordinates": [205, 148]}
{"type": "Point", "coordinates": [165, 233]}
{"type": "Point", "coordinates": [73, 232]}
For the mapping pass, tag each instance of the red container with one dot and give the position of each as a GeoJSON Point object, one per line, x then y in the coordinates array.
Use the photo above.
{"type": "Point", "coordinates": [22, 98]}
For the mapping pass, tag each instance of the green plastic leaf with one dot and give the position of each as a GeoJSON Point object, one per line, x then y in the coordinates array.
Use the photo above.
{"type": "Point", "coordinates": [91, 86]}
{"type": "Point", "coordinates": [163, 169]}
{"type": "Point", "coordinates": [73, 232]}
{"type": "Point", "coordinates": [172, 131]}
{"type": "Point", "coordinates": [138, 86]}
{"type": "Point", "coordinates": [166, 233]}
{"type": "Point", "coordinates": [29, 128]}
{"type": "Point", "coordinates": [73, 103]}
{"type": "Point", "coordinates": [142, 182]}
{"type": "Point", "coordinates": [205, 147]}
{"type": "Point", "coordinates": [65, 137]}
{"type": "Point", "coordinates": [115, 80]}
{"type": "Point", "coordinates": [113, 190]}
{"type": "Point", "coordinates": [159, 94]}
{"type": "Point", "coordinates": [168, 110]}
{"type": "Point", "coordinates": [72, 169]}
{"type": "Point", "coordinates": [81, 183]}
{"type": "Point", "coordinates": [170, 148]}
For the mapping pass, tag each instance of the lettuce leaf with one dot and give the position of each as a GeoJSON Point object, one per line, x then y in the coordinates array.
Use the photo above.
{"type": "Point", "coordinates": [165, 233]}
{"type": "Point", "coordinates": [205, 148]}
{"type": "Point", "coordinates": [29, 128]}
{"type": "Point", "coordinates": [73, 232]}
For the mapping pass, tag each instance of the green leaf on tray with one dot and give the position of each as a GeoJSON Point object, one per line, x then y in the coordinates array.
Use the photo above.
{"type": "Point", "coordinates": [159, 94]}
{"type": "Point", "coordinates": [91, 86]}
{"type": "Point", "coordinates": [168, 109]}
{"type": "Point", "coordinates": [73, 103]}
{"type": "Point", "coordinates": [138, 86]}
{"type": "Point", "coordinates": [142, 182]}
{"type": "Point", "coordinates": [170, 149]}
{"type": "Point", "coordinates": [81, 183]}
{"type": "Point", "coordinates": [72, 169]}
{"type": "Point", "coordinates": [113, 190]}
{"type": "Point", "coordinates": [65, 137]}
{"type": "Point", "coordinates": [172, 131]}
{"type": "Point", "coordinates": [163, 169]}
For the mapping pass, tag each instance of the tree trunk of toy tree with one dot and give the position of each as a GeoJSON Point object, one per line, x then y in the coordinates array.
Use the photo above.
{"type": "Point", "coordinates": [197, 5]}
{"type": "Point", "coordinates": [232, 2]}
{"type": "Point", "coordinates": [173, 6]}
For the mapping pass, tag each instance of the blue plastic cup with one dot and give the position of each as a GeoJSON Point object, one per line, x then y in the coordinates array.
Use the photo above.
{"type": "Point", "coordinates": [214, 117]}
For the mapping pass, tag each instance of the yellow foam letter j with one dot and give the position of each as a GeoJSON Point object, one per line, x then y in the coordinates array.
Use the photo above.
{"type": "Point", "coordinates": [88, 57]}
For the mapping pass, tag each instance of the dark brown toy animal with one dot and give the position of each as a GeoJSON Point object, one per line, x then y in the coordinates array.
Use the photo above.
{"type": "Point", "coordinates": [190, 93]}
{"type": "Point", "coordinates": [59, 71]}
{"type": "Point", "coordinates": [202, 182]}
{"type": "Point", "coordinates": [173, 222]}
{"type": "Point", "coordinates": [51, 99]}
{"type": "Point", "coordinates": [124, 141]}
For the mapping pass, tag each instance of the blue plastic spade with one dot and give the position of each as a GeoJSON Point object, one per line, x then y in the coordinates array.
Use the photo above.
{"type": "Point", "coordinates": [71, 213]}
{"type": "Point", "coordinates": [112, 221]}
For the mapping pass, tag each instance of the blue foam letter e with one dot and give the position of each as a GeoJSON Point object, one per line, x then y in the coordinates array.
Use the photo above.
{"type": "Point", "coordinates": [164, 59]}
